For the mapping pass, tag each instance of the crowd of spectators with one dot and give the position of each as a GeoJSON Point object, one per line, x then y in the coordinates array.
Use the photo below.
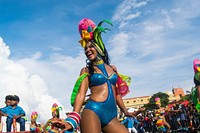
{"type": "Point", "coordinates": [181, 118]}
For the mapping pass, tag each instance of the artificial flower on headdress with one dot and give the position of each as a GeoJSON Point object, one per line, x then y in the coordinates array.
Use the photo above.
{"type": "Point", "coordinates": [196, 64]}
{"type": "Point", "coordinates": [56, 108]}
{"type": "Point", "coordinates": [123, 83]}
{"type": "Point", "coordinates": [157, 100]}
{"type": "Point", "coordinates": [86, 28]}
{"type": "Point", "coordinates": [90, 32]}
{"type": "Point", "coordinates": [34, 115]}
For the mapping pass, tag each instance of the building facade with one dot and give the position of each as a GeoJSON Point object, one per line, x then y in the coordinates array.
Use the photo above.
{"type": "Point", "coordinates": [138, 102]}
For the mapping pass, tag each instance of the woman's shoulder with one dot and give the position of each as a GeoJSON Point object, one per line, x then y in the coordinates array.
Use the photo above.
{"type": "Point", "coordinates": [84, 70]}
{"type": "Point", "coordinates": [113, 67]}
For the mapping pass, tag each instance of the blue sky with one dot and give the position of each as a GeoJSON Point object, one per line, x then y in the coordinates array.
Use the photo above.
{"type": "Point", "coordinates": [153, 41]}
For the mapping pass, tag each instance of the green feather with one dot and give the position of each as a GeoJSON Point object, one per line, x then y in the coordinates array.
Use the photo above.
{"type": "Point", "coordinates": [97, 34]}
{"type": "Point", "coordinates": [107, 21]}
{"type": "Point", "coordinates": [77, 87]}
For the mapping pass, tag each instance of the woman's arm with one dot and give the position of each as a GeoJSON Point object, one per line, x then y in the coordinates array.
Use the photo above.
{"type": "Point", "coordinates": [82, 93]}
{"type": "Point", "coordinates": [119, 100]}
{"type": "Point", "coordinates": [80, 97]}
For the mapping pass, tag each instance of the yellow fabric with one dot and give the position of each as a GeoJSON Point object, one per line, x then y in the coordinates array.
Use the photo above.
{"type": "Point", "coordinates": [83, 43]}
{"type": "Point", "coordinates": [85, 35]}
{"type": "Point", "coordinates": [125, 78]}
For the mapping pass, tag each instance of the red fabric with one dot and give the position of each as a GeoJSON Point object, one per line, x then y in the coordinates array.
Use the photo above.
{"type": "Point", "coordinates": [185, 103]}
{"type": "Point", "coordinates": [18, 132]}
{"type": "Point", "coordinates": [122, 86]}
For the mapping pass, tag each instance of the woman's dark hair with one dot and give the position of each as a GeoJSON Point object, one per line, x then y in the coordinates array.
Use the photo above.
{"type": "Point", "coordinates": [9, 97]}
{"type": "Point", "coordinates": [196, 82]}
{"type": "Point", "coordinates": [57, 113]}
{"type": "Point", "coordinates": [90, 65]}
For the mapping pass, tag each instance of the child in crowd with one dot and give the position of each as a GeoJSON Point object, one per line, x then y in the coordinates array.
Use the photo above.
{"type": "Point", "coordinates": [13, 112]}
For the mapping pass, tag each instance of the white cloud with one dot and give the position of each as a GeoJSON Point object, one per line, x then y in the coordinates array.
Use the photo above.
{"type": "Point", "coordinates": [4, 51]}
{"type": "Point", "coordinates": [127, 11]}
{"type": "Point", "coordinates": [56, 48]}
{"type": "Point", "coordinates": [157, 48]}
{"type": "Point", "coordinates": [131, 16]}
{"type": "Point", "coordinates": [32, 89]}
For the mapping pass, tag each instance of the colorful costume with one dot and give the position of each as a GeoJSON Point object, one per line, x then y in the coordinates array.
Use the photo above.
{"type": "Point", "coordinates": [160, 117]}
{"type": "Point", "coordinates": [106, 110]}
{"type": "Point", "coordinates": [33, 127]}
{"type": "Point", "coordinates": [49, 127]}
{"type": "Point", "coordinates": [160, 122]}
{"type": "Point", "coordinates": [196, 99]}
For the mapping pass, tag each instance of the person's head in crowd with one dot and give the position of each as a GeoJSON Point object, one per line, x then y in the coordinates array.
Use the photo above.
{"type": "Point", "coordinates": [158, 102]}
{"type": "Point", "coordinates": [15, 100]}
{"type": "Point", "coordinates": [56, 110]}
{"type": "Point", "coordinates": [8, 100]}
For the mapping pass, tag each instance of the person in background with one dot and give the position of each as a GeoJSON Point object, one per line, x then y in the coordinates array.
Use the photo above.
{"type": "Point", "coordinates": [196, 92]}
{"type": "Point", "coordinates": [49, 127]}
{"type": "Point", "coordinates": [34, 128]}
{"type": "Point", "coordinates": [130, 124]}
{"type": "Point", "coordinates": [8, 99]}
{"type": "Point", "coordinates": [161, 122]}
{"type": "Point", "coordinates": [14, 112]}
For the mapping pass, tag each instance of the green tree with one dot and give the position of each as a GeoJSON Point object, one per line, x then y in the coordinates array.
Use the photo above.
{"type": "Point", "coordinates": [164, 99]}
{"type": "Point", "coordinates": [188, 95]}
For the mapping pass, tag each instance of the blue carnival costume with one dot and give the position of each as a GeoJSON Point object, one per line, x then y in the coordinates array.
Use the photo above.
{"type": "Point", "coordinates": [106, 110]}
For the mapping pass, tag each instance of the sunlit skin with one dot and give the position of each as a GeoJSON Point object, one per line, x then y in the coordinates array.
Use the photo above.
{"type": "Point", "coordinates": [98, 93]}
{"type": "Point", "coordinates": [8, 102]}
{"type": "Point", "coordinates": [33, 123]}
{"type": "Point", "coordinates": [54, 118]}
{"type": "Point", "coordinates": [90, 51]}
{"type": "Point", "coordinates": [90, 122]}
{"type": "Point", "coordinates": [14, 103]}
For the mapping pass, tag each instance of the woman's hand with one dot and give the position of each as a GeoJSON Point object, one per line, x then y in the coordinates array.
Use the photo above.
{"type": "Point", "coordinates": [129, 114]}
{"type": "Point", "coordinates": [64, 126]}
{"type": "Point", "coordinates": [133, 114]}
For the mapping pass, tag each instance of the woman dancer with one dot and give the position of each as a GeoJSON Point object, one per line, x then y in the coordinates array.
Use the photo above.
{"type": "Point", "coordinates": [100, 112]}
{"type": "Point", "coordinates": [196, 92]}
{"type": "Point", "coordinates": [34, 126]}
{"type": "Point", "coordinates": [160, 117]}
{"type": "Point", "coordinates": [49, 127]}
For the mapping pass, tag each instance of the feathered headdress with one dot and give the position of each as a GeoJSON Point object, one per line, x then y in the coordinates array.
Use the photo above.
{"type": "Point", "coordinates": [34, 115]}
{"type": "Point", "coordinates": [157, 100]}
{"type": "Point", "coordinates": [196, 65]}
{"type": "Point", "coordinates": [90, 32]}
{"type": "Point", "coordinates": [56, 108]}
